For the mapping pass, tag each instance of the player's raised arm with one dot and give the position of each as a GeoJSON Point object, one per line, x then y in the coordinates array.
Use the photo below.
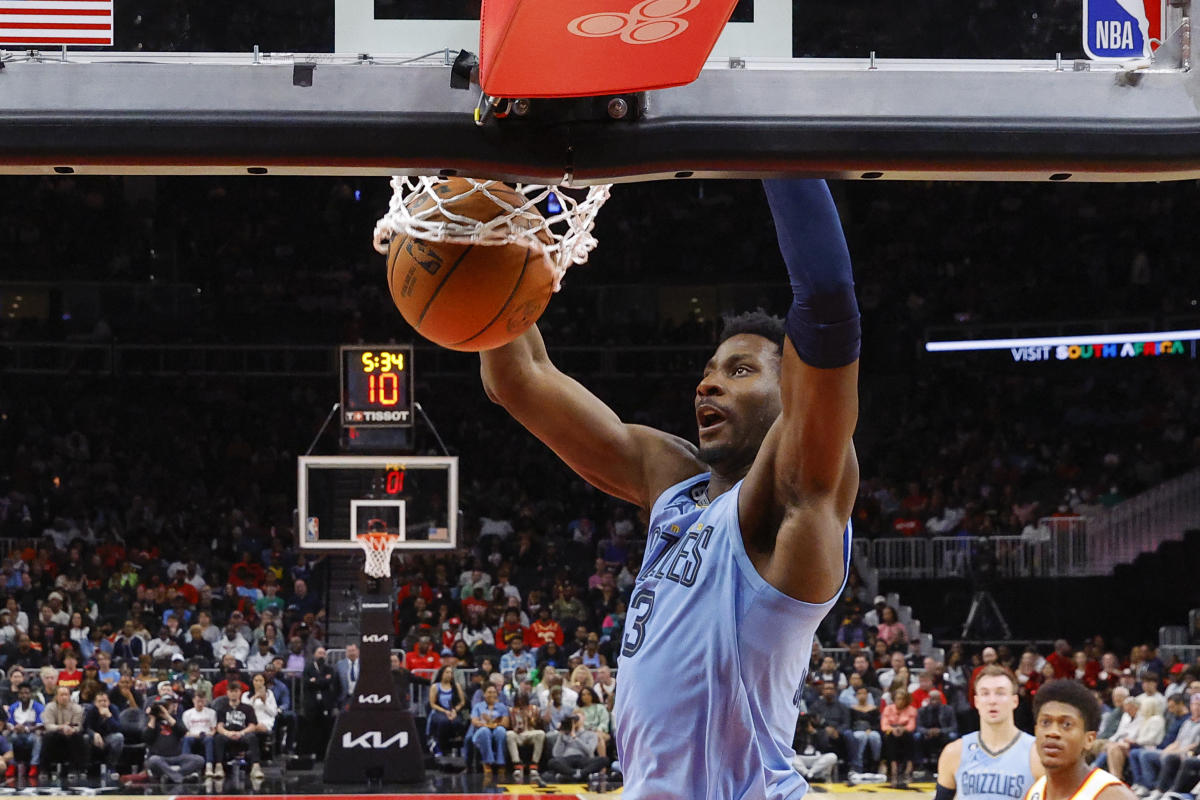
{"type": "Point", "coordinates": [800, 491]}
{"type": "Point", "coordinates": [632, 462]}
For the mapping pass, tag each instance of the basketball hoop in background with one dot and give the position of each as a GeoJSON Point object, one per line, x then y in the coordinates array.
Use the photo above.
{"type": "Point", "coordinates": [378, 547]}
{"type": "Point", "coordinates": [544, 218]}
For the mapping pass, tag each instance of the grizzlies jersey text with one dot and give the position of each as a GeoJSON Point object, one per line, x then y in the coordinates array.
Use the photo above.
{"type": "Point", "coordinates": [710, 661]}
{"type": "Point", "coordinates": [1002, 776]}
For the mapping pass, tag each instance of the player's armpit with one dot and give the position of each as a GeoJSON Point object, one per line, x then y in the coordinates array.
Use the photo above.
{"type": "Point", "coordinates": [632, 462]}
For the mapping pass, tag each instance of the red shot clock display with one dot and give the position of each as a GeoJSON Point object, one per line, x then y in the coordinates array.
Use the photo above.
{"type": "Point", "coordinates": [377, 386]}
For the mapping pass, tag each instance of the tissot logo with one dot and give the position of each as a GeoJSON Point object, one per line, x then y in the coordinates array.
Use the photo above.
{"type": "Point", "coordinates": [374, 699]}
{"type": "Point", "coordinates": [375, 605]}
{"type": "Point", "coordinates": [376, 637]}
{"type": "Point", "coordinates": [373, 740]}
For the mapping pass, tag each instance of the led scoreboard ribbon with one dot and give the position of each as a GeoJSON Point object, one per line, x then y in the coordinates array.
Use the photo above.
{"type": "Point", "coordinates": [376, 386]}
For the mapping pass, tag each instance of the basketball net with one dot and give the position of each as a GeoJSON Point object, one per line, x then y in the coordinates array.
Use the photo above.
{"type": "Point", "coordinates": [378, 548]}
{"type": "Point", "coordinates": [568, 231]}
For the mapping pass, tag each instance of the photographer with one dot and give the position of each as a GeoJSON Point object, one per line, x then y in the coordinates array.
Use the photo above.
{"type": "Point", "coordinates": [575, 751]}
{"type": "Point", "coordinates": [164, 743]}
{"type": "Point", "coordinates": [237, 729]}
{"type": "Point", "coordinates": [64, 740]}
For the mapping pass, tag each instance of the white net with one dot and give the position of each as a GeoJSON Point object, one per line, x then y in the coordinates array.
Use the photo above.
{"type": "Point", "coordinates": [545, 218]}
{"type": "Point", "coordinates": [378, 548]}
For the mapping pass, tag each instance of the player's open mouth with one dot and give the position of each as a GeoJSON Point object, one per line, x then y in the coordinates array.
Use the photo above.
{"type": "Point", "coordinates": [709, 417]}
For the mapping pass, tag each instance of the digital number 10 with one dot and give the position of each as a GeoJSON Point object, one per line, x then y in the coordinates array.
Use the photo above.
{"type": "Point", "coordinates": [383, 389]}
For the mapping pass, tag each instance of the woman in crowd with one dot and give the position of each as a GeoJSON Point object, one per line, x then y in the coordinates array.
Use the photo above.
{"type": "Point", "coordinates": [864, 724]}
{"type": "Point", "coordinates": [446, 702]}
{"type": "Point", "coordinates": [489, 729]}
{"type": "Point", "coordinates": [144, 680]}
{"type": "Point", "coordinates": [262, 700]}
{"type": "Point", "coordinates": [890, 629]}
{"type": "Point", "coordinates": [462, 653]}
{"type": "Point", "coordinates": [551, 655]}
{"type": "Point", "coordinates": [898, 722]}
{"type": "Point", "coordinates": [476, 632]}
{"type": "Point", "coordinates": [595, 718]}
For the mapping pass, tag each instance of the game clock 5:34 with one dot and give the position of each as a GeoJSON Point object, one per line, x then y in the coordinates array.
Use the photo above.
{"type": "Point", "coordinates": [376, 386]}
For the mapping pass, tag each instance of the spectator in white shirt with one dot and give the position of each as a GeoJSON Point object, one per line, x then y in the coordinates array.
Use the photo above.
{"type": "Point", "coordinates": [201, 724]}
{"type": "Point", "coordinates": [261, 657]}
{"type": "Point", "coordinates": [233, 644]}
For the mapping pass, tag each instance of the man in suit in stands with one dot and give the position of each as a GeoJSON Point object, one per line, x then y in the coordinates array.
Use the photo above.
{"type": "Point", "coordinates": [347, 674]}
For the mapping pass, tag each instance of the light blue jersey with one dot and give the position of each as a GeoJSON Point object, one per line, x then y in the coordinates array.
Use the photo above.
{"type": "Point", "coordinates": [994, 776]}
{"type": "Point", "coordinates": [712, 662]}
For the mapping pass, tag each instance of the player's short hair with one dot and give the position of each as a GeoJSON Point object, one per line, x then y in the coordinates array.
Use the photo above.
{"type": "Point", "coordinates": [757, 322]}
{"type": "Point", "coordinates": [1073, 693]}
{"type": "Point", "coordinates": [992, 670]}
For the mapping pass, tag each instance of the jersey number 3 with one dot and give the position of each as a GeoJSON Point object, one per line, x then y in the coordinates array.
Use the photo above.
{"type": "Point", "coordinates": [642, 604]}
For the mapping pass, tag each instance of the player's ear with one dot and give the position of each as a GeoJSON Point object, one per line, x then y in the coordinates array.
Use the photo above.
{"type": "Point", "coordinates": [1089, 739]}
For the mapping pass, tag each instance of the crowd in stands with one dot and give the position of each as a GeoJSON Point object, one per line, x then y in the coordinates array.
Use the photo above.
{"type": "Point", "coordinates": [894, 709]}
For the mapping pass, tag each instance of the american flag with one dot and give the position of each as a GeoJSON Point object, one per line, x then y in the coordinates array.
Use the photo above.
{"type": "Point", "coordinates": [55, 22]}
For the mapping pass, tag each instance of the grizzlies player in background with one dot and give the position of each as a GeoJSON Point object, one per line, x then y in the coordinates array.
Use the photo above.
{"type": "Point", "coordinates": [749, 534]}
{"type": "Point", "coordinates": [1066, 717]}
{"type": "Point", "coordinates": [998, 762]}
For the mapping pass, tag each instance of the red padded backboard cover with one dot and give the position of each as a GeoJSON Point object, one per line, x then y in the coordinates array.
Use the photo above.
{"type": "Point", "coordinates": [572, 48]}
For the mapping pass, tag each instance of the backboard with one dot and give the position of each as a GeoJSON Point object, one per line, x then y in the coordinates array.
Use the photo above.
{"type": "Point", "coordinates": [340, 497]}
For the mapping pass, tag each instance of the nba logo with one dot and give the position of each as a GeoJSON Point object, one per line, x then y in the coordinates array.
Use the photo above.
{"type": "Point", "coordinates": [1122, 29]}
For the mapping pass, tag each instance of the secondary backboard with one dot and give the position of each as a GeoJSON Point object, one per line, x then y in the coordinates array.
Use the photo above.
{"type": "Point", "coordinates": [341, 497]}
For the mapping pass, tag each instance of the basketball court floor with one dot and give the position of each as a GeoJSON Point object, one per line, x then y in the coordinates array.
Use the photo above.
{"type": "Point", "coordinates": [307, 785]}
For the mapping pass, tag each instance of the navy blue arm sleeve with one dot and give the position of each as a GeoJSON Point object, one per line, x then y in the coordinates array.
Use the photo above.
{"type": "Point", "coordinates": [823, 323]}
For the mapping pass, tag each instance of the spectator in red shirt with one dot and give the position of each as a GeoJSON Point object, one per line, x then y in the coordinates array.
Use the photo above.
{"type": "Point", "coordinates": [416, 587]}
{"type": "Point", "coordinates": [70, 675]}
{"type": "Point", "coordinates": [476, 602]}
{"type": "Point", "coordinates": [915, 503]}
{"type": "Point", "coordinates": [1062, 659]}
{"type": "Point", "coordinates": [450, 634]}
{"type": "Point", "coordinates": [1087, 671]}
{"type": "Point", "coordinates": [180, 586]}
{"type": "Point", "coordinates": [246, 572]}
{"type": "Point", "coordinates": [543, 629]}
{"type": "Point", "coordinates": [511, 627]}
{"type": "Point", "coordinates": [907, 525]}
{"type": "Point", "coordinates": [424, 657]}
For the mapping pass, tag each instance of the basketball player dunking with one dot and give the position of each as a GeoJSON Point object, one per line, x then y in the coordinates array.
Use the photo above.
{"type": "Point", "coordinates": [1067, 717]}
{"type": "Point", "coordinates": [749, 535]}
{"type": "Point", "coordinates": [997, 762]}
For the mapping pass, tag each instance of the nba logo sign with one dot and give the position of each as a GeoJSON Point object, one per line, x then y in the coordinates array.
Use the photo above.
{"type": "Point", "coordinates": [1122, 29]}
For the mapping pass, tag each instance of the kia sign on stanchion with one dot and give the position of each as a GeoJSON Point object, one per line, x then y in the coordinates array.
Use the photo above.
{"type": "Point", "coordinates": [375, 737]}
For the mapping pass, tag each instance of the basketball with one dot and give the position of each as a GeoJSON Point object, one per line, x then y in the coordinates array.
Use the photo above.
{"type": "Point", "coordinates": [464, 296]}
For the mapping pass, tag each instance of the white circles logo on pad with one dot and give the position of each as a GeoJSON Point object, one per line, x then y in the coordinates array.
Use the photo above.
{"type": "Point", "coordinates": [648, 22]}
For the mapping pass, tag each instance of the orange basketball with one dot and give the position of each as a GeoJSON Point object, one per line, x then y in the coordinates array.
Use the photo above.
{"type": "Point", "coordinates": [463, 296]}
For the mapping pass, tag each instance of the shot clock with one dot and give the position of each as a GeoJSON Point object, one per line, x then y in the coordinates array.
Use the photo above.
{"type": "Point", "coordinates": [377, 386]}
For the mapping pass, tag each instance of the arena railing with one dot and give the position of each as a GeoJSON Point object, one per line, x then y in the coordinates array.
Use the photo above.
{"type": "Point", "coordinates": [1063, 553]}
{"type": "Point", "coordinates": [1142, 523]}
{"type": "Point", "coordinates": [1072, 546]}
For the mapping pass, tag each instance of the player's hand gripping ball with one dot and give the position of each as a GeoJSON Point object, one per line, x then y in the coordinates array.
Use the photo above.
{"type": "Point", "coordinates": [463, 296]}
